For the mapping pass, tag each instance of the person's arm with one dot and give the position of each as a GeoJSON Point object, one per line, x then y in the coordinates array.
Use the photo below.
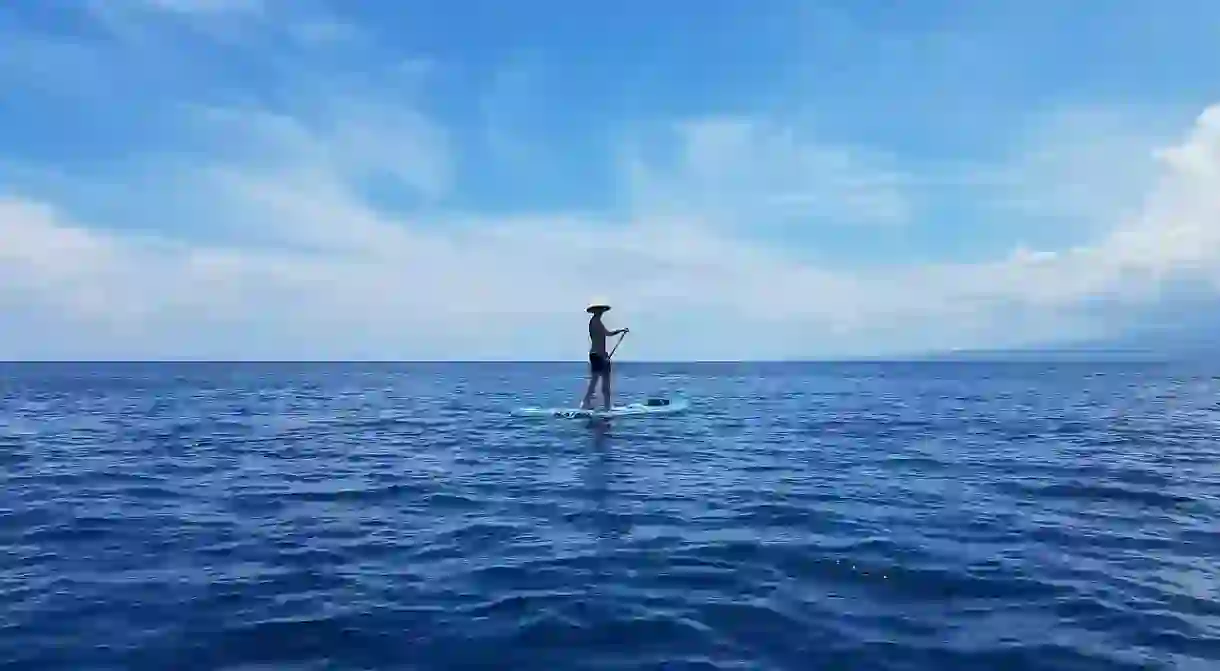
{"type": "Point", "coordinates": [617, 331]}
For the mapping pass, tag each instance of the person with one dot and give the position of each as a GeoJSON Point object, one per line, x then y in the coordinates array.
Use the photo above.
{"type": "Point", "coordinates": [599, 360]}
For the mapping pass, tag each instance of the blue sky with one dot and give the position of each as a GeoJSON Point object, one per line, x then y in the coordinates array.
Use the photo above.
{"type": "Point", "coordinates": [309, 179]}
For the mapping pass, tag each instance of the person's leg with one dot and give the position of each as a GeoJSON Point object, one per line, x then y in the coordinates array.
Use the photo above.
{"type": "Point", "coordinates": [588, 400]}
{"type": "Point", "coordinates": [606, 387]}
{"type": "Point", "coordinates": [593, 373]}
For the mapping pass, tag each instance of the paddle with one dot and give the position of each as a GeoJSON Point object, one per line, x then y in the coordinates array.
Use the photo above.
{"type": "Point", "coordinates": [615, 348]}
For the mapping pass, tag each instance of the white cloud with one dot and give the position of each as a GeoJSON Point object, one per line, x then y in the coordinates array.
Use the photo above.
{"type": "Point", "coordinates": [346, 136]}
{"type": "Point", "coordinates": [149, 30]}
{"type": "Point", "coordinates": [509, 106]}
{"type": "Point", "coordinates": [207, 6]}
{"type": "Point", "coordinates": [375, 286]}
{"type": "Point", "coordinates": [141, 24]}
{"type": "Point", "coordinates": [328, 32]}
{"type": "Point", "coordinates": [1085, 167]}
{"type": "Point", "coordinates": [1174, 232]}
{"type": "Point", "coordinates": [741, 170]}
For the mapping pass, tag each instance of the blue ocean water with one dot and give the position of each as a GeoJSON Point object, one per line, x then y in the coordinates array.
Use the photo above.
{"type": "Point", "coordinates": [930, 516]}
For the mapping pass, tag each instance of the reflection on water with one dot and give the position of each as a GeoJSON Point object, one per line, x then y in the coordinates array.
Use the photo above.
{"type": "Point", "coordinates": [606, 522]}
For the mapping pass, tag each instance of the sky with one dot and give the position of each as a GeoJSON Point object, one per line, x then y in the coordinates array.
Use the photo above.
{"type": "Point", "coordinates": [458, 179]}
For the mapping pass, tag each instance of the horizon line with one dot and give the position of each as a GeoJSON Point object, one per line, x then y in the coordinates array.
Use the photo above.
{"type": "Point", "coordinates": [991, 357]}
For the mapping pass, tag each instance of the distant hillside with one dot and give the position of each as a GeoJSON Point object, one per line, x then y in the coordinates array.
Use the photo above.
{"type": "Point", "coordinates": [1083, 354]}
{"type": "Point", "coordinates": [1160, 344]}
{"type": "Point", "coordinates": [1174, 343]}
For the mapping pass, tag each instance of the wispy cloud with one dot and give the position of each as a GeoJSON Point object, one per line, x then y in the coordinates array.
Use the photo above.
{"type": "Point", "coordinates": [353, 139]}
{"type": "Point", "coordinates": [205, 6]}
{"type": "Point", "coordinates": [749, 172]}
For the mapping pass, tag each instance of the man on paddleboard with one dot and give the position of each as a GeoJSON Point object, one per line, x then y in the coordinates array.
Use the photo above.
{"type": "Point", "coordinates": [599, 360]}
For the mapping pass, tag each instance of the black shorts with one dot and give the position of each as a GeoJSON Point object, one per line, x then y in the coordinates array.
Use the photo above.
{"type": "Point", "coordinates": [598, 363]}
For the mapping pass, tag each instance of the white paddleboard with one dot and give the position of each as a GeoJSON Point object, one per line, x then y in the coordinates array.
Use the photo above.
{"type": "Point", "coordinates": [630, 410]}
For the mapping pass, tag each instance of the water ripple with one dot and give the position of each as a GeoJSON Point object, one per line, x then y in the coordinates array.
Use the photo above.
{"type": "Point", "coordinates": [863, 516]}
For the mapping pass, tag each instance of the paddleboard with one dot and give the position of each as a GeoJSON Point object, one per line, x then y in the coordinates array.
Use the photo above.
{"type": "Point", "coordinates": [638, 409]}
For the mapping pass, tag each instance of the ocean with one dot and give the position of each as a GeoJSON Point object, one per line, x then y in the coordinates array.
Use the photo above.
{"type": "Point", "coordinates": [887, 516]}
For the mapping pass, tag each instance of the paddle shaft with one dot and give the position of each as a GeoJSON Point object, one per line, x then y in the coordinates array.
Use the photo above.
{"type": "Point", "coordinates": [615, 348]}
